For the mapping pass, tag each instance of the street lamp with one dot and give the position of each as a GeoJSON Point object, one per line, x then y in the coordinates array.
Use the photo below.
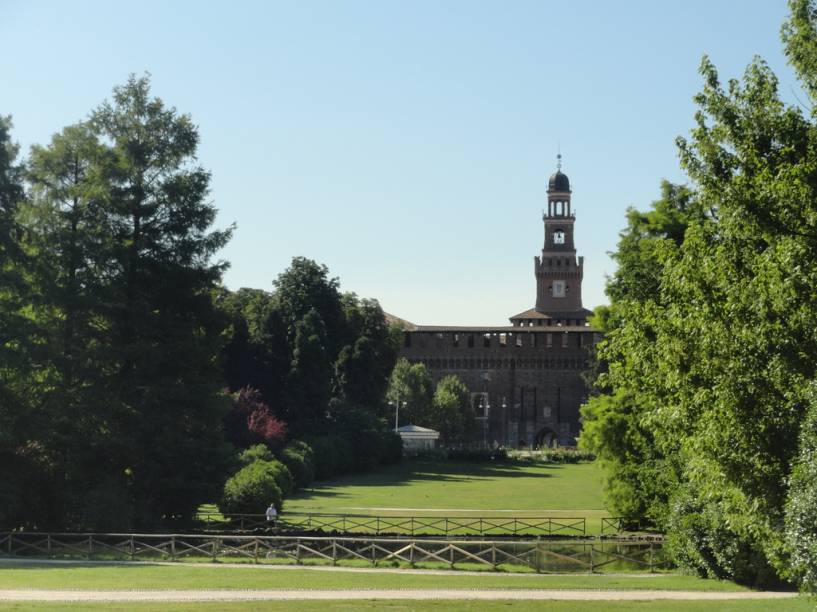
{"type": "Point", "coordinates": [486, 410]}
{"type": "Point", "coordinates": [396, 405]}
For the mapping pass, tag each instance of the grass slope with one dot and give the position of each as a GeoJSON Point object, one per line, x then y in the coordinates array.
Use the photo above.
{"type": "Point", "coordinates": [446, 485]}
{"type": "Point", "coordinates": [426, 488]}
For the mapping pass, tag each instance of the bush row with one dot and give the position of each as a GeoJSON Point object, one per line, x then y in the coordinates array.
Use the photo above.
{"type": "Point", "coordinates": [335, 455]}
{"type": "Point", "coordinates": [266, 477]}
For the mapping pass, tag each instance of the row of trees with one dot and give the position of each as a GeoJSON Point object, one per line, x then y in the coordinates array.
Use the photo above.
{"type": "Point", "coordinates": [111, 402]}
{"type": "Point", "coordinates": [706, 416]}
{"type": "Point", "coordinates": [117, 339]}
{"type": "Point", "coordinates": [446, 407]}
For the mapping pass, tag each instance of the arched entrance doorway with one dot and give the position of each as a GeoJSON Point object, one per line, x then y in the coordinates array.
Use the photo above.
{"type": "Point", "coordinates": [546, 438]}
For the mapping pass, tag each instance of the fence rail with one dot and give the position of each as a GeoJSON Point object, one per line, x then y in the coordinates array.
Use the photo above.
{"type": "Point", "coordinates": [401, 525]}
{"type": "Point", "coordinates": [541, 556]}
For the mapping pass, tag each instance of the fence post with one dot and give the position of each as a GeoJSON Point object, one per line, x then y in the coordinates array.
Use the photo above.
{"type": "Point", "coordinates": [374, 555]}
{"type": "Point", "coordinates": [173, 548]}
{"type": "Point", "coordinates": [90, 546]}
{"type": "Point", "coordinates": [412, 531]}
{"type": "Point", "coordinates": [335, 551]}
{"type": "Point", "coordinates": [536, 556]}
{"type": "Point", "coordinates": [652, 568]}
{"type": "Point", "coordinates": [411, 552]}
{"type": "Point", "coordinates": [481, 529]}
{"type": "Point", "coordinates": [48, 545]}
{"type": "Point", "coordinates": [132, 549]}
{"type": "Point", "coordinates": [493, 554]}
{"type": "Point", "coordinates": [446, 526]}
{"type": "Point", "coordinates": [592, 566]}
{"type": "Point", "coordinates": [298, 551]}
{"type": "Point", "coordinates": [215, 549]}
{"type": "Point", "coordinates": [255, 550]}
{"type": "Point", "coordinates": [9, 543]}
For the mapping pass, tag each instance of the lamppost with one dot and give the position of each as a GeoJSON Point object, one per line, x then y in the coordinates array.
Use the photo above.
{"type": "Point", "coordinates": [504, 413]}
{"type": "Point", "coordinates": [486, 410]}
{"type": "Point", "coordinates": [396, 405]}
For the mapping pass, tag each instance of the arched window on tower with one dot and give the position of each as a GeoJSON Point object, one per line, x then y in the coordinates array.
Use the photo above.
{"type": "Point", "coordinates": [558, 237]}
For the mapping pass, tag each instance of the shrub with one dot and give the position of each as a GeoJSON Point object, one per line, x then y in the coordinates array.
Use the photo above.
{"type": "Point", "coordinates": [367, 450]}
{"type": "Point", "coordinates": [701, 538]}
{"type": "Point", "coordinates": [283, 477]}
{"type": "Point", "coordinates": [298, 457]}
{"type": "Point", "coordinates": [391, 448]}
{"type": "Point", "coordinates": [334, 456]}
{"type": "Point", "coordinates": [252, 489]}
{"type": "Point", "coordinates": [346, 459]}
{"type": "Point", "coordinates": [258, 452]}
{"type": "Point", "coordinates": [801, 507]}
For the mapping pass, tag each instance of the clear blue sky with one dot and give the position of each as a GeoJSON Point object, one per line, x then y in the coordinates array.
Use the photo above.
{"type": "Point", "coordinates": [406, 145]}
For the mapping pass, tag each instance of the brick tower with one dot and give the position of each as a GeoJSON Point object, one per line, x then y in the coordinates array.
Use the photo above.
{"type": "Point", "coordinates": [558, 270]}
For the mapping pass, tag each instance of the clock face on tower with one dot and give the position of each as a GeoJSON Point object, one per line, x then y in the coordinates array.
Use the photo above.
{"type": "Point", "coordinates": [558, 237]}
{"type": "Point", "coordinates": [558, 288]}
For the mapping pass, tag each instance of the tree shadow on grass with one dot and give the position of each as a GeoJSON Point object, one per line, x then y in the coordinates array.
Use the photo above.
{"type": "Point", "coordinates": [411, 472]}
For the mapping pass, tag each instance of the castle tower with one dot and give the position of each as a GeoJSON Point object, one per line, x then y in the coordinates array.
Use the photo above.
{"type": "Point", "coordinates": [558, 271]}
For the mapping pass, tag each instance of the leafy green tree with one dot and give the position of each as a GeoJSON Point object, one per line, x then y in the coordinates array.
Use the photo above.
{"type": "Point", "coordinates": [68, 246]}
{"type": "Point", "coordinates": [411, 384]}
{"type": "Point", "coordinates": [306, 286]}
{"type": "Point", "coordinates": [162, 431]}
{"type": "Point", "coordinates": [451, 411]}
{"type": "Point", "coordinates": [801, 507]}
{"type": "Point", "coordinates": [308, 384]}
{"type": "Point", "coordinates": [640, 477]}
{"type": "Point", "coordinates": [25, 466]}
{"type": "Point", "coordinates": [715, 359]}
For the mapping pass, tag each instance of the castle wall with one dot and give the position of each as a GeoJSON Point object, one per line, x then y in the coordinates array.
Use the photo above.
{"type": "Point", "coordinates": [530, 377]}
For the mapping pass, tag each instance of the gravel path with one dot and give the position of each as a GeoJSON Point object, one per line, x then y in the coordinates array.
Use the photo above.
{"type": "Point", "coordinates": [325, 568]}
{"type": "Point", "coordinates": [414, 594]}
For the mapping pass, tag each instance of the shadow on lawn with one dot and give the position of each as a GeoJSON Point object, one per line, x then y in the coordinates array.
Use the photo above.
{"type": "Point", "coordinates": [414, 471]}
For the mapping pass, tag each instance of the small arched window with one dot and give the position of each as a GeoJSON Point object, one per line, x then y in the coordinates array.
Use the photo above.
{"type": "Point", "coordinates": [558, 237]}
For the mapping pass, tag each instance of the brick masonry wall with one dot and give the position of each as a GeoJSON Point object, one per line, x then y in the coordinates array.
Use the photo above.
{"type": "Point", "coordinates": [540, 380]}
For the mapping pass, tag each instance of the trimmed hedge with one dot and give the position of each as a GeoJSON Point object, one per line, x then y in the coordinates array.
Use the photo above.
{"type": "Point", "coordinates": [252, 489]}
{"type": "Point", "coordinates": [299, 458]}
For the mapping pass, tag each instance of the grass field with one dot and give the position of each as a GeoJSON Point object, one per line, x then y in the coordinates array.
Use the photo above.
{"type": "Point", "coordinates": [155, 577]}
{"type": "Point", "coordinates": [426, 488]}
{"type": "Point", "coordinates": [167, 577]}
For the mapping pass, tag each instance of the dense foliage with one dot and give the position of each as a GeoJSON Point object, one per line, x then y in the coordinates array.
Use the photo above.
{"type": "Point", "coordinates": [117, 338]}
{"type": "Point", "coordinates": [253, 488]}
{"type": "Point", "coordinates": [704, 413]}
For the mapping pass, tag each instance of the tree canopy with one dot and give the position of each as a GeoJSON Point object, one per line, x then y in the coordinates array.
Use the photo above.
{"type": "Point", "coordinates": [710, 352]}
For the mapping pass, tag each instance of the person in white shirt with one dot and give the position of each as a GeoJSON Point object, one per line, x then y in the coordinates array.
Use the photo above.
{"type": "Point", "coordinates": [272, 514]}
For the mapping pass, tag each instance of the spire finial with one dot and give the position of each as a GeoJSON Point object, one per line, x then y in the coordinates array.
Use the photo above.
{"type": "Point", "coordinates": [559, 161]}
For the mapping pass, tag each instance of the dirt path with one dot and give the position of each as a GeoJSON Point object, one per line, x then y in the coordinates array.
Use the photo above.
{"type": "Point", "coordinates": [396, 594]}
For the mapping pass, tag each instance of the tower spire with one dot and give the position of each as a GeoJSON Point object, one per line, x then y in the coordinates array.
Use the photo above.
{"type": "Point", "coordinates": [559, 160]}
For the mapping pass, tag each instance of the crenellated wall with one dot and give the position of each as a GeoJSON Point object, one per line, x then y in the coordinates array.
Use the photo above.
{"type": "Point", "coordinates": [531, 378]}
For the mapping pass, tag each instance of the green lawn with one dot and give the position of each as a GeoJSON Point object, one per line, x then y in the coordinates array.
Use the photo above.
{"type": "Point", "coordinates": [424, 488]}
{"type": "Point", "coordinates": [13, 576]}
{"type": "Point", "coordinates": [789, 605]}
{"type": "Point", "coordinates": [181, 577]}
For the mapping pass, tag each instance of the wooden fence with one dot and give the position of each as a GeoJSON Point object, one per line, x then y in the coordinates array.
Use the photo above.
{"type": "Point", "coordinates": [400, 525]}
{"type": "Point", "coordinates": [539, 555]}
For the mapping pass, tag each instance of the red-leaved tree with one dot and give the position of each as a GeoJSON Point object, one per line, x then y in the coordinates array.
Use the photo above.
{"type": "Point", "coordinates": [251, 421]}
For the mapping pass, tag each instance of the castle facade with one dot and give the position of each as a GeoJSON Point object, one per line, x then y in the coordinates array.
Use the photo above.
{"type": "Point", "coordinates": [526, 378]}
